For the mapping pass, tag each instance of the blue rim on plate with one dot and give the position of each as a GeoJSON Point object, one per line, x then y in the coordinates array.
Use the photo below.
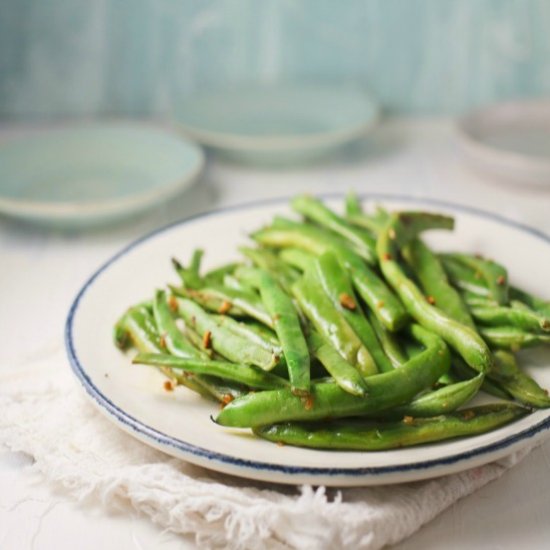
{"type": "Point", "coordinates": [143, 429]}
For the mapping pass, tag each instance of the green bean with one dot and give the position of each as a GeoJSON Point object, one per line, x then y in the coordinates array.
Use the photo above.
{"type": "Point", "coordinates": [465, 340]}
{"type": "Point", "coordinates": [463, 371]}
{"type": "Point", "coordinates": [380, 217]}
{"type": "Point", "coordinates": [517, 383]}
{"type": "Point", "coordinates": [372, 222]}
{"type": "Point", "coordinates": [337, 286]}
{"type": "Point", "coordinates": [282, 222]}
{"type": "Point", "coordinates": [318, 212]}
{"type": "Point", "coordinates": [190, 276]}
{"type": "Point", "coordinates": [450, 378]}
{"type": "Point", "coordinates": [230, 281]}
{"type": "Point", "coordinates": [221, 299]}
{"type": "Point", "coordinates": [411, 348]}
{"type": "Point", "coordinates": [177, 345]}
{"type": "Point", "coordinates": [517, 304]}
{"type": "Point", "coordinates": [147, 305]}
{"type": "Point", "coordinates": [537, 304]}
{"type": "Point", "coordinates": [306, 237]}
{"type": "Point", "coordinates": [248, 276]}
{"type": "Point", "coordinates": [373, 290]}
{"type": "Point", "coordinates": [381, 436]}
{"type": "Point", "coordinates": [253, 332]}
{"type": "Point", "coordinates": [512, 338]}
{"type": "Point", "coordinates": [173, 340]}
{"type": "Point", "coordinates": [370, 287]}
{"type": "Point", "coordinates": [441, 401]}
{"type": "Point", "coordinates": [197, 340]}
{"type": "Point", "coordinates": [525, 319]}
{"type": "Point", "coordinates": [464, 277]}
{"type": "Point", "coordinates": [216, 276]}
{"type": "Point", "coordinates": [121, 335]}
{"type": "Point", "coordinates": [265, 259]}
{"type": "Point", "coordinates": [433, 280]}
{"type": "Point", "coordinates": [171, 337]}
{"type": "Point", "coordinates": [328, 400]}
{"type": "Point", "coordinates": [389, 343]}
{"type": "Point", "coordinates": [206, 385]}
{"type": "Point", "coordinates": [139, 326]}
{"type": "Point", "coordinates": [353, 205]}
{"type": "Point", "coordinates": [494, 275]}
{"type": "Point", "coordinates": [297, 258]}
{"type": "Point", "coordinates": [506, 380]}
{"type": "Point", "coordinates": [208, 299]}
{"type": "Point", "coordinates": [249, 375]}
{"type": "Point", "coordinates": [222, 390]}
{"type": "Point", "coordinates": [364, 221]}
{"type": "Point", "coordinates": [346, 376]}
{"type": "Point", "coordinates": [224, 341]}
{"type": "Point", "coordinates": [287, 327]}
{"type": "Point", "coordinates": [331, 323]}
{"type": "Point", "coordinates": [475, 300]}
{"type": "Point", "coordinates": [380, 299]}
{"type": "Point", "coordinates": [416, 222]}
{"type": "Point", "coordinates": [196, 260]}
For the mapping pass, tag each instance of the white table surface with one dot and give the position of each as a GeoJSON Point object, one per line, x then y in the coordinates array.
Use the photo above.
{"type": "Point", "coordinates": [41, 270]}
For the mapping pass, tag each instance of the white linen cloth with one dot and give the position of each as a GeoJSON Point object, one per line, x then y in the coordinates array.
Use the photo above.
{"type": "Point", "coordinates": [44, 414]}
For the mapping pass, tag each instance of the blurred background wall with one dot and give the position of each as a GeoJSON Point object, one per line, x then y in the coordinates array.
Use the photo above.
{"type": "Point", "coordinates": [139, 57]}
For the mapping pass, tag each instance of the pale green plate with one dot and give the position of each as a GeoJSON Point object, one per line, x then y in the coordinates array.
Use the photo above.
{"type": "Point", "coordinates": [278, 124]}
{"type": "Point", "coordinates": [88, 174]}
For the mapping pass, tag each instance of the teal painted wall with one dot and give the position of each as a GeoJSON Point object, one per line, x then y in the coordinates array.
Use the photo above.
{"type": "Point", "coordinates": [60, 57]}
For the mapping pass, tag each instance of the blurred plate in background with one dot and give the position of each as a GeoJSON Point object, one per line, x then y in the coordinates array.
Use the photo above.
{"type": "Point", "coordinates": [510, 141]}
{"type": "Point", "coordinates": [277, 124]}
{"type": "Point", "coordinates": [85, 174]}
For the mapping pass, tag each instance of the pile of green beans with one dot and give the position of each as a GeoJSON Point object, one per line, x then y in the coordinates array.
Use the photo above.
{"type": "Point", "coordinates": [346, 331]}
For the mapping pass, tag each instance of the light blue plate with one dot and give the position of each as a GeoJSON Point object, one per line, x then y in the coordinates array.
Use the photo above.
{"type": "Point", "coordinates": [92, 173]}
{"type": "Point", "coordinates": [278, 124]}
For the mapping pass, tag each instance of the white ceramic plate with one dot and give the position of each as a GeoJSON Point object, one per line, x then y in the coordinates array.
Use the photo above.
{"type": "Point", "coordinates": [179, 423]}
{"type": "Point", "coordinates": [278, 124]}
{"type": "Point", "coordinates": [89, 173]}
{"type": "Point", "coordinates": [510, 141]}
